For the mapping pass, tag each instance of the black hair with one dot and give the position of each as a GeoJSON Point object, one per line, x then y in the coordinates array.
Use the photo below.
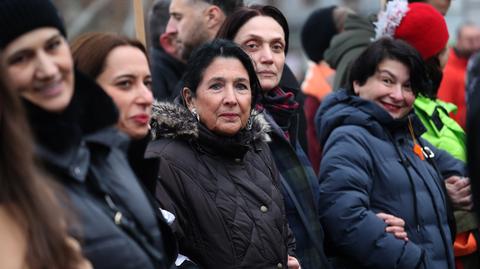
{"type": "Point", "coordinates": [157, 21]}
{"type": "Point", "coordinates": [435, 75]}
{"type": "Point", "coordinates": [206, 54]}
{"type": "Point", "coordinates": [386, 48]}
{"type": "Point", "coordinates": [227, 6]}
{"type": "Point", "coordinates": [240, 17]}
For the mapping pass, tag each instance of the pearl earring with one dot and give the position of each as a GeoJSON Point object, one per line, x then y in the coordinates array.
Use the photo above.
{"type": "Point", "coordinates": [195, 114]}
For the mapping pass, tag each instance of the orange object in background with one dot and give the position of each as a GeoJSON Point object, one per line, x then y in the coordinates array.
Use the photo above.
{"type": "Point", "coordinates": [318, 80]}
{"type": "Point", "coordinates": [465, 244]}
{"type": "Point", "coordinates": [452, 88]}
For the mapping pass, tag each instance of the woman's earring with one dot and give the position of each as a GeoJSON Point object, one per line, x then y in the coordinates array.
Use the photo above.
{"type": "Point", "coordinates": [195, 114]}
{"type": "Point", "coordinates": [250, 123]}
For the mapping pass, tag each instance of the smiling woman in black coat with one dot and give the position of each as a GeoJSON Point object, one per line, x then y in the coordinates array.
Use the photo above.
{"type": "Point", "coordinates": [73, 124]}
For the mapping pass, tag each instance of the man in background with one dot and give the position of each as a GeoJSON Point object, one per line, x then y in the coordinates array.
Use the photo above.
{"type": "Point", "coordinates": [452, 89]}
{"type": "Point", "coordinates": [196, 22]}
{"type": "Point", "coordinates": [177, 28]}
{"type": "Point", "coordinates": [166, 65]}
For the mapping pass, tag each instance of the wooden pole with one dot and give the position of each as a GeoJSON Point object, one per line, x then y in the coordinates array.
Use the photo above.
{"type": "Point", "coordinates": [139, 21]}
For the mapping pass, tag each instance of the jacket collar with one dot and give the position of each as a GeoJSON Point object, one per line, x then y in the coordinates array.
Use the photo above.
{"type": "Point", "coordinates": [341, 108]}
{"type": "Point", "coordinates": [60, 136]}
{"type": "Point", "coordinates": [89, 111]}
{"type": "Point", "coordinates": [176, 122]}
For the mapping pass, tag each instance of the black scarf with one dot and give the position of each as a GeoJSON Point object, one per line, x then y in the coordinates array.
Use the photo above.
{"type": "Point", "coordinates": [281, 105]}
{"type": "Point", "coordinates": [230, 146]}
{"type": "Point", "coordinates": [89, 110]}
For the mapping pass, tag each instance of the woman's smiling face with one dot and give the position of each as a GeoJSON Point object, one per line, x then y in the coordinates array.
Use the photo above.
{"type": "Point", "coordinates": [389, 87]}
{"type": "Point", "coordinates": [39, 66]}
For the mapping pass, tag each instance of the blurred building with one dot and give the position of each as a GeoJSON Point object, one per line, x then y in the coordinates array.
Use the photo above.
{"type": "Point", "coordinates": [118, 16]}
{"type": "Point", "coordinates": [99, 15]}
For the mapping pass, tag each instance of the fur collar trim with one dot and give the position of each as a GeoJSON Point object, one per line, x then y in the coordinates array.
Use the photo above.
{"type": "Point", "coordinates": [171, 120]}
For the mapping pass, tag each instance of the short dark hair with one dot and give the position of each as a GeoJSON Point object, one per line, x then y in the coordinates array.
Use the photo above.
{"type": "Point", "coordinates": [234, 22]}
{"type": "Point", "coordinates": [227, 6]}
{"type": "Point", "coordinates": [207, 53]}
{"type": "Point", "coordinates": [158, 17]}
{"type": "Point", "coordinates": [367, 63]}
{"type": "Point", "coordinates": [90, 50]}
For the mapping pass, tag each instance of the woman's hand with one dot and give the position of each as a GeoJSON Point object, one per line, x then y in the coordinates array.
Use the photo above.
{"type": "Point", "coordinates": [83, 263]}
{"type": "Point", "coordinates": [460, 192]}
{"type": "Point", "coordinates": [395, 226]}
{"type": "Point", "coordinates": [293, 263]}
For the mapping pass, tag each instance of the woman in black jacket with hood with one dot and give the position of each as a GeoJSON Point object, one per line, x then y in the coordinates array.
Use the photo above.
{"type": "Point", "coordinates": [72, 119]}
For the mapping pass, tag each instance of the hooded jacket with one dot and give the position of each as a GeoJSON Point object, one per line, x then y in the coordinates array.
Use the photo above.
{"type": "Point", "coordinates": [83, 151]}
{"type": "Point", "coordinates": [346, 46]}
{"type": "Point", "coordinates": [369, 167]}
{"type": "Point", "coordinates": [441, 131]}
{"type": "Point", "coordinates": [223, 191]}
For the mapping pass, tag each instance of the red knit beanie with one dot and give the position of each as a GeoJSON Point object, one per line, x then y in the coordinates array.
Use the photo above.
{"type": "Point", "coordinates": [423, 27]}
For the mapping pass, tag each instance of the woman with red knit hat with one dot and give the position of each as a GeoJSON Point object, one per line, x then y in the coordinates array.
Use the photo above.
{"type": "Point", "coordinates": [425, 29]}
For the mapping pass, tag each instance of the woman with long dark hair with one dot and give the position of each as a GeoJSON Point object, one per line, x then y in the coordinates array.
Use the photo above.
{"type": "Point", "coordinates": [33, 225]}
{"type": "Point", "coordinates": [72, 120]}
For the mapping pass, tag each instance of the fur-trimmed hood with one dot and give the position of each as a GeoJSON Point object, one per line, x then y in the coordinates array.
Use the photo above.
{"type": "Point", "coordinates": [171, 120]}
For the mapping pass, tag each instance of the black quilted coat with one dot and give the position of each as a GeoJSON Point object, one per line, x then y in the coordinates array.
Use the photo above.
{"type": "Point", "coordinates": [223, 191]}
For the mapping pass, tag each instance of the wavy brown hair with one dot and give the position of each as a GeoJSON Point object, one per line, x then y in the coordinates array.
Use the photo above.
{"type": "Point", "coordinates": [90, 50]}
{"type": "Point", "coordinates": [28, 195]}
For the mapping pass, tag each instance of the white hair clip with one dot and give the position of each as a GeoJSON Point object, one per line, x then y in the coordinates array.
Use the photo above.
{"type": "Point", "coordinates": [390, 18]}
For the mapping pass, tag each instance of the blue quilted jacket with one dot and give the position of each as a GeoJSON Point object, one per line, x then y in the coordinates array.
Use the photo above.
{"type": "Point", "coordinates": [368, 166]}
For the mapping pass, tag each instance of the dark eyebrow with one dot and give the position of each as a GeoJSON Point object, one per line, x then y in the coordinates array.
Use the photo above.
{"type": "Point", "coordinates": [388, 73]}
{"type": "Point", "coordinates": [244, 80]}
{"type": "Point", "coordinates": [252, 36]}
{"type": "Point", "coordinates": [392, 75]}
{"type": "Point", "coordinates": [222, 79]}
{"type": "Point", "coordinates": [55, 36]}
{"type": "Point", "coordinates": [257, 37]}
{"type": "Point", "coordinates": [217, 79]}
{"type": "Point", "coordinates": [28, 50]}
{"type": "Point", "coordinates": [130, 76]}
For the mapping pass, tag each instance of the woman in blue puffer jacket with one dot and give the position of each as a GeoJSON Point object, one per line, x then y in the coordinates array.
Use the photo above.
{"type": "Point", "coordinates": [374, 161]}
